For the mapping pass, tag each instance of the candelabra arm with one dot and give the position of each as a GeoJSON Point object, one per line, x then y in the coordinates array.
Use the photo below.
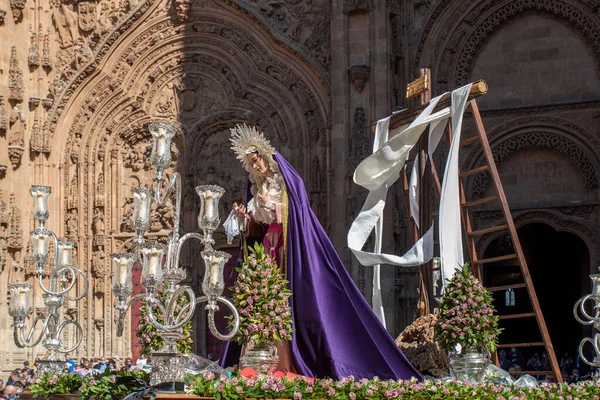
{"type": "Point", "coordinates": [79, 338]}
{"type": "Point", "coordinates": [153, 300]}
{"type": "Point", "coordinates": [173, 303]}
{"type": "Point", "coordinates": [580, 305]}
{"type": "Point", "coordinates": [174, 184]}
{"type": "Point", "coordinates": [211, 317]}
{"type": "Point", "coordinates": [122, 308]}
{"type": "Point", "coordinates": [184, 238]}
{"type": "Point", "coordinates": [55, 275]}
{"type": "Point", "coordinates": [19, 335]}
{"type": "Point", "coordinates": [85, 287]}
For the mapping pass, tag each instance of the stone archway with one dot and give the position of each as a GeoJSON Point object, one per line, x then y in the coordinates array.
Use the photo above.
{"type": "Point", "coordinates": [566, 137]}
{"type": "Point", "coordinates": [455, 32]}
{"type": "Point", "coordinates": [218, 66]}
{"type": "Point", "coordinates": [550, 253]}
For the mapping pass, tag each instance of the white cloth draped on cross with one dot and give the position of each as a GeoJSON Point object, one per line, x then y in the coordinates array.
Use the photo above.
{"type": "Point", "coordinates": [379, 171]}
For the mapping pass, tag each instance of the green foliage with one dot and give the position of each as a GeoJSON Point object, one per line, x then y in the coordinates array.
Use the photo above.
{"type": "Point", "coordinates": [466, 314]}
{"type": "Point", "coordinates": [95, 386]}
{"type": "Point", "coordinates": [269, 387]}
{"type": "Point", "coordinates": [147, 333]}
{"type": "Point", "coordinates": [261, 296]}
{"type": "Point", "coordinates": [49, 384]}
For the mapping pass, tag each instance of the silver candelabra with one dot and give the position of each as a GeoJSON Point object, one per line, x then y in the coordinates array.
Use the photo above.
{"type": "Point", "coordinates": [590, 319]}
{"type": "Point", "coordinates": [160, 263]}
{"type": "Point", "coordinates": [63, 277]}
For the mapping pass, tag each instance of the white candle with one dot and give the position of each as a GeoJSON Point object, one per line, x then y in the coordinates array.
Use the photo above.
{"type": "Point", "coordinates": [154, 264]}
{"type": "Point", "coordinates": [140, 212]}
{"type": "Point", "coordinates": [64, 254]}
{"type": "Point", "coordinates": [123, 271]}
{"type": "Point", "coordinates": [209, 201]}
{"type": "Point", "coordinates": [214, 270]}
{"type": "Point", "coordinates": [161, 142]}
{"type": "Point", "coordinates": [40, 203]}
{"type": "Point", "coordinates": [41, 247]}
{"type": "Point", "coordinates": [23, 298]}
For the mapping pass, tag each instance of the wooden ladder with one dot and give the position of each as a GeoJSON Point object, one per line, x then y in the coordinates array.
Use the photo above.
{"type": "Point", "coordinates": [478, 264]}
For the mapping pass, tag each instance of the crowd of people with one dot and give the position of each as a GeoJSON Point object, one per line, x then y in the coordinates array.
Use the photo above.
{"type": "Point", "coordinates": [514, 363]}
{"type": "Point", "coordinates": [21, 378]}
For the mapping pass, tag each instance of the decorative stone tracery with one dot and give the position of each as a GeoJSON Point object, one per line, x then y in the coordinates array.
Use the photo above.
{"type": "Point", "coordinates": [455, 32]}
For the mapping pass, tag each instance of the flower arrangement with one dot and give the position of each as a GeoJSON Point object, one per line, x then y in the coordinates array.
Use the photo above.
{"type": "Point", "coordinates": [272, 387]}
{"type": "Point", "coordinates": [50, 384]}
{"type": "Point", "coordinates": [98, 386]}
{"type": "Point", "coordinates": [147, 334]}
{"type": "Point", "coordinates": [261, 295]}
{"type": "Point", "coordinates": [466, 314]}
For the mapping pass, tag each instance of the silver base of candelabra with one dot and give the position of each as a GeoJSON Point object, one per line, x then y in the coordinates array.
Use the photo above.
{"type": "Point", "coordinates": [51, 366]}
{"type": "Point", "coordinates": [166, 368]}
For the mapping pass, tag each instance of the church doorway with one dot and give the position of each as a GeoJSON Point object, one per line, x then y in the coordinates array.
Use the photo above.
{"type": "Point", "coordinates": [559, 263]}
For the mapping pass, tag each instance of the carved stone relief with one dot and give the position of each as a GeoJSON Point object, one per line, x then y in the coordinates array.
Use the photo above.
{"type": "Point", "coordinates": [15, 78]}
{"type": "Point", "coordinates": [359, 74]}
{"type": "Point", "coordinates": [17, 7]}
{"type": "Point", "coordinates": [16, 141]}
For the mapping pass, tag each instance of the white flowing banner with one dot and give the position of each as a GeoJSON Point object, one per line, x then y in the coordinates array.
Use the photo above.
{"type": "Point", "coordinates": [451, 248]}
{"type": "Point", "coordinates": [377, 173]}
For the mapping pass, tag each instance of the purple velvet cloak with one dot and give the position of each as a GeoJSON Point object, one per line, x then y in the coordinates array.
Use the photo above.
{"type": "Point", "coordinates": [337, 334]}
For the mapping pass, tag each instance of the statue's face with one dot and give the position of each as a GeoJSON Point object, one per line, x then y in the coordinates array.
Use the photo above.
{"type": "Point", "coordinates": [257, 163]}
{"type": "Point", "coordinates": [182, 8]}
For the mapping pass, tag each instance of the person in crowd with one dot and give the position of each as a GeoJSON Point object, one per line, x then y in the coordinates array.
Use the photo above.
{"type": "Point", "coordinates": [12, 391]}
{"type": "Point", "coordinates": [101, 365]}
{"type": "Point", "coordinates": [574, 377]}
{"type": "Point", "coordinates": [534, 363]}
{"type": "Point", "coordinates": [29, 369]}
{"type": "Point", "coordinates": [545, 362]}
{"type": "Point", "coordinates": [69, 363]}
{"type": "Point", "coordinates": [84, 367]}
{"type": "Point", "coordinates": [128, 364]}
{"type": "Point", "coordinates": [566, 362]}
{"type": "Point", "coordinates": [504, 362]}
{"type": "Point", "coordinates": [516, 357]}
{"type": "Point", "coordinates": [15, 376]}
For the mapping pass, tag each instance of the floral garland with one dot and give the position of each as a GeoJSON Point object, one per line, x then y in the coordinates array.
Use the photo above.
{"type": "Point", "coordinates": [147, 333]}
{"type": "Point", "coordinates": [98, 386]}
{"type": "Point", "coordinates": [466, 314]}
{"type": "Point", "coordinates": [270, 387]}
{"type": "Point", "coordinates": [261, 295]}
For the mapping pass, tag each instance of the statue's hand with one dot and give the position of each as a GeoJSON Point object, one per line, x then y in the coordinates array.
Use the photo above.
{"type": "Point", "coordinates": [239, 209]}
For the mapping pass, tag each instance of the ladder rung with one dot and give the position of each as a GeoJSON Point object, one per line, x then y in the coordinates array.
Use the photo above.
{"type": "Point", "coordinates": [531, 372]}
{"type": "Point", "coordinates": [514, 316]}
{"type": "Point", "coordinates": [488, 230]}
{"type": "Point", "coordinates": [469, 140]}
{"type": "Point", "coordinates": [531, 344]}
{"type": "Point", "coordinates": [501, 288]}
{"type": "Point", "coordinates": [474, 171]}
{"type": "Point", "coordinates": [495, 259]}
{"type": "Point", "coordinates": [480, 201]}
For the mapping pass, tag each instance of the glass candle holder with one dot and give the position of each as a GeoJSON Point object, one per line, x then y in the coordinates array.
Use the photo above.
{"type": "Point", "coordinates": [162, 134]}
{"type": "Point", "coordinates": [122, 273]}
{"type": "Point", "coordinates": [64, 250]}
{"type": "Point", "coordinates": [21, 299]}
{"type": "Point", "coordinates": [208, 218]}
{"type": "Point", "coordinates": [152, 260]}
{"type": "Point", "coordinates": [40, 202]}
{"type": "Point", "coordinates": [142, 208]}
{"type": "Point", "coordinates": [214, 263]}
{"type": "Point", "coordinates": [40, 241]}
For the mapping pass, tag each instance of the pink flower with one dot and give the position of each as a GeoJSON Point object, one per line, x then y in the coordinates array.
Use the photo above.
{"type": "Point", "coordinates": [297, 395]}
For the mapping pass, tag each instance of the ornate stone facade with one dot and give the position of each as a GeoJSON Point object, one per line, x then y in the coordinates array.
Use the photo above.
{"type": "Point", "coordinates": [313, 74]}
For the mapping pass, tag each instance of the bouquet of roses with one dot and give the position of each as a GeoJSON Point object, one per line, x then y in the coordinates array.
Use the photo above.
{"type": "Point", "coordinates": [466, 314]}
{"type": "Point", "coordinates": [261, 296]}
